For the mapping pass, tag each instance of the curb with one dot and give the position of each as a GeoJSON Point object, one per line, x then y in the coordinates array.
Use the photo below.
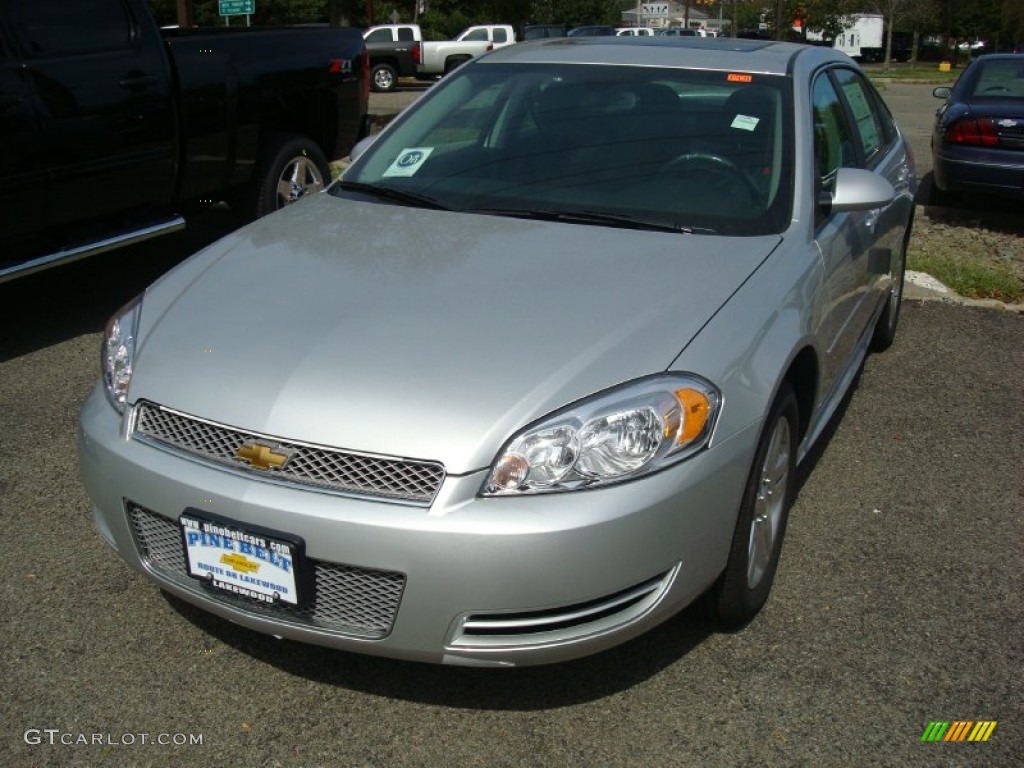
{"type": "Point", "coordinates": [923, 287]}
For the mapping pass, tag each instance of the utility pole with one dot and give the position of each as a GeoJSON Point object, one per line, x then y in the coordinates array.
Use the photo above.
{"type": "Point", "coordinates": [185, 18]}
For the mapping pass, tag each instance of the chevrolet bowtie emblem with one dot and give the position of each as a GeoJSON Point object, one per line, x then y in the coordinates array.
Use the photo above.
{"type": "Point", "coordinates": [260, 456]}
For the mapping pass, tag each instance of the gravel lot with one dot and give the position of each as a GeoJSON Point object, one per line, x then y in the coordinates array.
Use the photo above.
{"type": "Point", "coordinates": [997, 240]}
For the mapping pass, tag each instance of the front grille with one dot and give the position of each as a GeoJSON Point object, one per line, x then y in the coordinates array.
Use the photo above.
{"type": "Point", "coordinates": [347, 600]}
{"type": "Point", "coordinates": [329, 468]}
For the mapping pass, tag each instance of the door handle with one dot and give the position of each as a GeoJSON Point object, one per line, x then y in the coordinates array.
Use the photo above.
{"type": "Point", "coordinates": [137, 81]}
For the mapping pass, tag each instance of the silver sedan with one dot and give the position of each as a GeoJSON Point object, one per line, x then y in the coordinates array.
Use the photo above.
{"type": "Point", "coordinates": [534, 375]}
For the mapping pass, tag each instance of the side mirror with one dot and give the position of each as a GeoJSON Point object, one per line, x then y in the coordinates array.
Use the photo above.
{"type": "Point", "coordinates": [361, 146]}
{"type": "Point", "coordinates": [942, 92]}
{"type": "Point", "coordinates": [856, 189]}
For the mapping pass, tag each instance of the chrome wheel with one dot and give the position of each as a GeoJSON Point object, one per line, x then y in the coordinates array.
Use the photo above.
{"type": "Point", "coordinates": [299, 178]}
{"type": "Point", "coordinates": [769, 503]}
{"type": "Point", "coordinates": [384, 78]}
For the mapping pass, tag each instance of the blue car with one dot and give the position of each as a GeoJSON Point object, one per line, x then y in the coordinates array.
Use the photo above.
{"type": "Point", "coordinates": [978, 141]}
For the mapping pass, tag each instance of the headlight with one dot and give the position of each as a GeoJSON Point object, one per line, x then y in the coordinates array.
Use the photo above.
{"type": "Point", "coordinates": [618, 435]}
{"type": "Point", "coordinates": [119, 351]}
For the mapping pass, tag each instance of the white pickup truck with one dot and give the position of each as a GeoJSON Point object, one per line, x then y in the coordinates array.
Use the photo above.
{"type": "Point", "coordinates": [395, 48]}
{"type": "Point", "coordinates": [498, 35]}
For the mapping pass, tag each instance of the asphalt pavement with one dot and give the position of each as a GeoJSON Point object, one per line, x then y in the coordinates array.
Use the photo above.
{"type": "Point", "coordinates": [899, 600]}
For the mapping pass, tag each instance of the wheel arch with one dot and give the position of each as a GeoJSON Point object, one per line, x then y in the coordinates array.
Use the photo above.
{"type": "Point", "coordinates": [803, 376]}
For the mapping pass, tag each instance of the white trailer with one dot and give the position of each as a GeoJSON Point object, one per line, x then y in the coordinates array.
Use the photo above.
{"type": "Point", "coordinates": [862, 31]}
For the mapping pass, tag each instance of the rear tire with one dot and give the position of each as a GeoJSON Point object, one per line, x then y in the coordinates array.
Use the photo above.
{"type": "Point", "coordinates": [742, 589]}
{"type": "Point", "coordinates": [452, 64]}
{"type": "Point", "coordinates": [383, 78]}
{"type": "Point", "coordinates": [885, 326]}
{"type": "Point", "coordinates": [291, 167]}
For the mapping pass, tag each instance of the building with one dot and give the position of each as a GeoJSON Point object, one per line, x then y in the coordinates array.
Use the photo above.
{"type": "Point", "coordinates": [663, 15]}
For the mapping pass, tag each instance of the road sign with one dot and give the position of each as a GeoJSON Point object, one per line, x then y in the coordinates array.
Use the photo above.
{"type": "Point", "coordinates": [236, 7]}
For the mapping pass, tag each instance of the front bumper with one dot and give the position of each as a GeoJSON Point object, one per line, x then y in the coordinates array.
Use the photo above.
{"type": "Point", "coordinates": [467, 580]}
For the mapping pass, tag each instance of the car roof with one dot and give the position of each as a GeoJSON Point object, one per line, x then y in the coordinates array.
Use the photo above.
{"type": "Point", "coordinates": [714, 53]}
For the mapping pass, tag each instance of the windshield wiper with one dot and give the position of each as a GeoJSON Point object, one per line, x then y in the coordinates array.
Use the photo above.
{"type": "Point", "coordinates": [397, 195]}
{"type": "Point", "coordinates": [592, 217]}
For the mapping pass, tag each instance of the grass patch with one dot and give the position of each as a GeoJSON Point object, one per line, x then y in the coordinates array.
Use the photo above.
{"type": "Point", "coordinates": [970, 277]}
{"type": "Point", "coordinates": [928, 73]}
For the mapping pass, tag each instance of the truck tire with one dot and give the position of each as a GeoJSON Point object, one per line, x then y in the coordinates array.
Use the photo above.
{"type": "Point", "coordinates": [383, 78]}
{"type": "Point", "coordinates": [291, 167]}
{"type": "Point", "coordinates": [452, 64]}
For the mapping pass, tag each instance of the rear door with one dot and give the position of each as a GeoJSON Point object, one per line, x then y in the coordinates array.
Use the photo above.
{"type": "Point", "coordinates": [102, 92]}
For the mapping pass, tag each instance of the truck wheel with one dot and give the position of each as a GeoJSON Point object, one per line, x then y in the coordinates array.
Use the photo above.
{"type": "Point", "coordinates": [452, 64]}
{"type": "Point", "coordinates": [383, 78]}
{"type": "Point", "coordinates": [290, 168]}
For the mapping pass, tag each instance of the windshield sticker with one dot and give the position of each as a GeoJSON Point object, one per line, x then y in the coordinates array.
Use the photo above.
{"type": "Point", "coordinates": [744, 122]}
{"type": "Point", "coordinates": [408, 161]}
{"type": "Point", "coordinates": [737, 78]}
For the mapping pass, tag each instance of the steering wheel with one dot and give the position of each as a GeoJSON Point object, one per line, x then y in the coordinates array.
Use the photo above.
{"type": "Point", "coordinates": [713, 164]}
{"type": "Point", "coordinates": [998, 88]}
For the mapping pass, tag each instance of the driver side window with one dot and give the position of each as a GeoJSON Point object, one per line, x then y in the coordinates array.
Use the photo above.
{"type": "Point", "coordinates": [833, 142]}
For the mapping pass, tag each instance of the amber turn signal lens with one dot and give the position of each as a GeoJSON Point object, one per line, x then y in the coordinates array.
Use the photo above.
{"type": "Point", "coordinates": [696, 408]}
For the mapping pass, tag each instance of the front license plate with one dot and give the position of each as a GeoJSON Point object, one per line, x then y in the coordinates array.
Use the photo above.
{"type": "Point", "coordinates": [250, 561]}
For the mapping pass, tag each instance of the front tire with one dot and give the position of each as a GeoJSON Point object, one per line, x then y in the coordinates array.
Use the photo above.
{"type": "Point", "coordinates": [742, 589]}
{"type": "Point", "coordinates": [292, 167]}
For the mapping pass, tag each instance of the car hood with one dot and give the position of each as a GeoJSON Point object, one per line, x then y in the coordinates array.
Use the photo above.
{"type": "Point", "coordinates": [422, 334]}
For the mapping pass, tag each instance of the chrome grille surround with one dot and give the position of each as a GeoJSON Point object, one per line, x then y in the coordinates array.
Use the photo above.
{"type": "Point", "coordinates": [321, 467]}
{"type": "Point", "coordinates": [565, 623]}
{"type": "Point", "coordinates": [347, 600]}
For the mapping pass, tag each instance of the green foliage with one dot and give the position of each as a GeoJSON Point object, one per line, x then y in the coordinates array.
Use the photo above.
{"type": "Point", "coordinates": [576, 12]}
{"type": "Point", "coordinates": [968, 274]}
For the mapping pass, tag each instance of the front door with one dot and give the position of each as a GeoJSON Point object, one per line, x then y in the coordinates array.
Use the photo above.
{"type": "Point", "coordinates": [21, 172]}
{"type": "Point", "coordinates": [102, 92]}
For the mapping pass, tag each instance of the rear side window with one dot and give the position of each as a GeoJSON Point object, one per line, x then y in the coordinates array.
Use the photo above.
{"type": "Point", "coordinates": [500, 36]}
{"type": "Point", "coordinates": [405, 35]}
{"type": "Point", "coordinates": [872, 122]}
{"type": "Point", "coordinates": [62, 27]}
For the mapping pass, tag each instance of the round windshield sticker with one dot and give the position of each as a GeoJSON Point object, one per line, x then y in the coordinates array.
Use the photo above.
{"type": "Point", "coordinates": [408, 161]}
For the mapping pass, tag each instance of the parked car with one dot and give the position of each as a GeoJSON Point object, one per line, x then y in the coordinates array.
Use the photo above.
{"type": "Point", "coordinates": [544, 31]}
{"type": "Point", "coordinates": [594, 30]}
{"type": "Point", "coordinates": [536, 373]}
{"type": "Point", "coordinates": [978, 139]}
{"type": "Point", "coordinates": [634, 32]}
{"type": "Point", "coordinates": [681, 32]}
{"type": "Point", "coordinates": [111, 129]}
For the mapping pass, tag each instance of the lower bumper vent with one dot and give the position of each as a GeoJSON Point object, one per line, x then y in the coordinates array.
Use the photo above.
{"type": "Point", "coordinates": [347, 600]}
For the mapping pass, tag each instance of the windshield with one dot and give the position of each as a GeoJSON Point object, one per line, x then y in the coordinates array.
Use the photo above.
{"type": "Point", "coordinates": [681, 149]}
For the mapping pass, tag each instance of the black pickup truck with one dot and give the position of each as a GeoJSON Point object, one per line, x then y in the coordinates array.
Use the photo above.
{"type": "Point", "coordinates": [111, 128]}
